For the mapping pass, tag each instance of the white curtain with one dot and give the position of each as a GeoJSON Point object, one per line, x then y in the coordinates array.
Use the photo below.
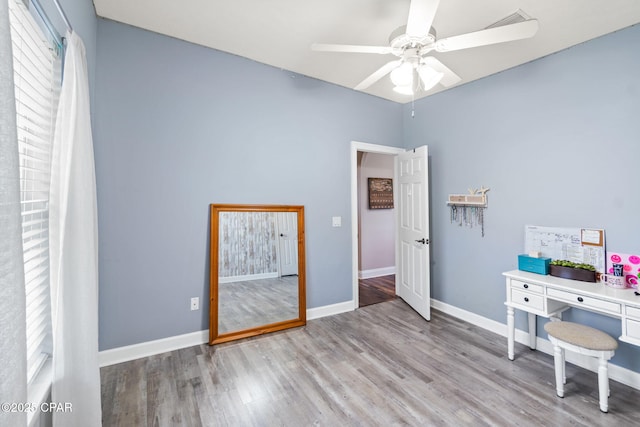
{"type": "Point", "coordinates": [13, 336]}
{"type": "Point", "coordinates": [74, 249]}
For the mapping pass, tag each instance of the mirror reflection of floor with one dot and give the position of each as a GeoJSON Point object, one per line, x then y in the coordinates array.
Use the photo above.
{"type": "Point", "coordinates": [376, 289]}
{"type": "Point", "coordinates": [251, 303]}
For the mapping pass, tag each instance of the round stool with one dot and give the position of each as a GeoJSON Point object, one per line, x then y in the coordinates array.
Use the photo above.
{"type": "Point", "coordinates": [583, 340]}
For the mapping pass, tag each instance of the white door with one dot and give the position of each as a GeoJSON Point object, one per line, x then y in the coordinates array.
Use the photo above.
{"type": "Point", "coordinates": [288, 242]}
{"type": "Point", "coordinates": [413, 277]}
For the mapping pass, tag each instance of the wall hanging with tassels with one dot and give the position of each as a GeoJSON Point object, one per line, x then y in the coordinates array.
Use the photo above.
{"type": "Point", "coordinates": [468, 209]}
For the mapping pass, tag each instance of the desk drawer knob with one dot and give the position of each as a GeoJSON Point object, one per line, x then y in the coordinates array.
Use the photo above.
{"type": "Point", "coordinates": [580, 299]}
{"type": "Point", "coordinates": [526, 299]}
{"type": "Point", "coordinates": [526, 286]}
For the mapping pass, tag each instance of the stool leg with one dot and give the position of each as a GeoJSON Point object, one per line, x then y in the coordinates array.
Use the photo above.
{"type": "Point", "coordinates": [558, 361]}
{"type": "Point", "coordinates": [564, 365]}
{"type": "Point", "coordinates": [603, 384]}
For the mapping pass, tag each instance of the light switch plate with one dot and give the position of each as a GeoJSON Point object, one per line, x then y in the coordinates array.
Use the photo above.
{"type": "Point", "coordinates": [336, 221]}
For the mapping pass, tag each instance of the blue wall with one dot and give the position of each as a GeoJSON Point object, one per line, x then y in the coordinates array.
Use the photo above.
{"type": "Point", "coordinates": [557, 141]}
{"type": "Point", "coordinates": [179, 126]}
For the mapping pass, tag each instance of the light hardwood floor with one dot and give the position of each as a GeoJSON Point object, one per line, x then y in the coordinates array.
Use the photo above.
{"type": "Point", "coordinates": [380, 365]}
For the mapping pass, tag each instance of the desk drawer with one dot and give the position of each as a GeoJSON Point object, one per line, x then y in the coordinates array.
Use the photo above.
{"type": "Point", "coordinates": [529, 287]}
{"type": "Point", "coordinates": [587, 302]}
{"type": "Point", "coordinates": [633, 329]}
{"type": "Point", "coordinates": [527, 299]}
{"type": "Point", "coordinates": [633, 312]}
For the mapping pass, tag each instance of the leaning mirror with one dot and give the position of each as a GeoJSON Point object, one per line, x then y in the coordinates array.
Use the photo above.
{"type": "Point", "coordinates": [257, 270]}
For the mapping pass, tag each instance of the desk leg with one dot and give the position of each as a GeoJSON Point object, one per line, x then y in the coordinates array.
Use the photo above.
{"type": "Point", "coordinates": [532, 331]}
{"type": "Point", "coordinates": [511, 331]}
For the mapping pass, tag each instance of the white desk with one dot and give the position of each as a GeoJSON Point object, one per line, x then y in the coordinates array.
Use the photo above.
{"type": "Point", "coordinates": [549, 296]}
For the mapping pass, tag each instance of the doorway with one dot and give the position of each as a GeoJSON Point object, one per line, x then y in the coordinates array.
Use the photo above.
{"type": "Point", "coordinates": [378, 284]}
{"type": "Point", "coordinates": [377, 230]}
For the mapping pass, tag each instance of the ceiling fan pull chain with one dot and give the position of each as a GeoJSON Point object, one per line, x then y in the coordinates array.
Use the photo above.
{"type": "Point", "coordinates": [413, 104]}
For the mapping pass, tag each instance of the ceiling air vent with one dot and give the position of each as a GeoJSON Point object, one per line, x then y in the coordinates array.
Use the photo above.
{"type": "Point", "coordinates": [514, 18]}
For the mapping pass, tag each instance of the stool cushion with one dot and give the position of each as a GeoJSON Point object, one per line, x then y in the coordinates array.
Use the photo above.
{"type": "Point", "coordinates": [581, 335]}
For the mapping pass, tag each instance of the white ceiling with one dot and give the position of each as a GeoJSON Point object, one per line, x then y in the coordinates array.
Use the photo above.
{"type": "Point", "coordinates": [280, 32]}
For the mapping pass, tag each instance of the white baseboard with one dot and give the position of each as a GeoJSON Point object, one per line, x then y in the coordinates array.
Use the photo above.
{"type": "Point", "coordinates": [149, 348]}
{"type": "Point", "coordinates": [616, 373]}
{"type": "Point", "coordinates": [376, 272]}
{"type": "Point", "coordinates": [330, 310]}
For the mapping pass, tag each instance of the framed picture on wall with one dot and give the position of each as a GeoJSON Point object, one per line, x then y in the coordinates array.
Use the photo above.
{"type": "Point", "coordinates": [380, 193]}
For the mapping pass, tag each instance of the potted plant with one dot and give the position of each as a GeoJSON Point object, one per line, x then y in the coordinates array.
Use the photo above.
{"type": "Point", "coordinates": [571, 270]}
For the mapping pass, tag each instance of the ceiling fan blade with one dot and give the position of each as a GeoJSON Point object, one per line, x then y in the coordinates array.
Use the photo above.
{"type": "Point", "coordinates": [350, 48]}
{"type": "Point", "coordinates": [505, 33]}
{"type": "Point", "coordinates": [380, 73]}
{"type": "Point", "coordinates": [449, 79]}
{"type": "Point", "coordinates": [421, 14]}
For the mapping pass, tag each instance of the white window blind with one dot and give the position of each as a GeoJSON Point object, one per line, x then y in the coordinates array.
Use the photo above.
{"type": "Point", "coordinates": [37, 86]}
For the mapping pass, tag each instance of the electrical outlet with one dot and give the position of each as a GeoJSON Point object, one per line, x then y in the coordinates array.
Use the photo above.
{"type": "Point", "coordinates": [195, 303]}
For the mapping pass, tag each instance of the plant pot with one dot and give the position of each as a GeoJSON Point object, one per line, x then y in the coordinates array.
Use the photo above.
{"type": "Point", "coordinates": [572, 273]}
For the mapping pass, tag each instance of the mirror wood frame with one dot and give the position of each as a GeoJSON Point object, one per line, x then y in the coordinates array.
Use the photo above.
{"type": "Point", "coordinates": [214, 336]}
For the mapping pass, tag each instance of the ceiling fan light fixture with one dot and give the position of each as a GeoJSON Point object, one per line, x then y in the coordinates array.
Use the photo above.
{"type": "Point", "coordinates": [429, 77]}
{"type": "Point", "coordinates": [403, 75]}
{"type": "Point", "coordinates": [404, 90]}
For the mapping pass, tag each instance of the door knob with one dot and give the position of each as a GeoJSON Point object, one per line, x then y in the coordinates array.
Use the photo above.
{"type": "Point", "coordinates": [423, 241]}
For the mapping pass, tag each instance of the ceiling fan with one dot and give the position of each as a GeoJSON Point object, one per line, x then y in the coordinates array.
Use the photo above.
{"type": "Point", "coordinates": [413, 43]}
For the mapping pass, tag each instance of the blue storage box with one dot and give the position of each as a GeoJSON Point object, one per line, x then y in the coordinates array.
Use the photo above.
{"type": "Point", "coordinates": [533, 265]}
